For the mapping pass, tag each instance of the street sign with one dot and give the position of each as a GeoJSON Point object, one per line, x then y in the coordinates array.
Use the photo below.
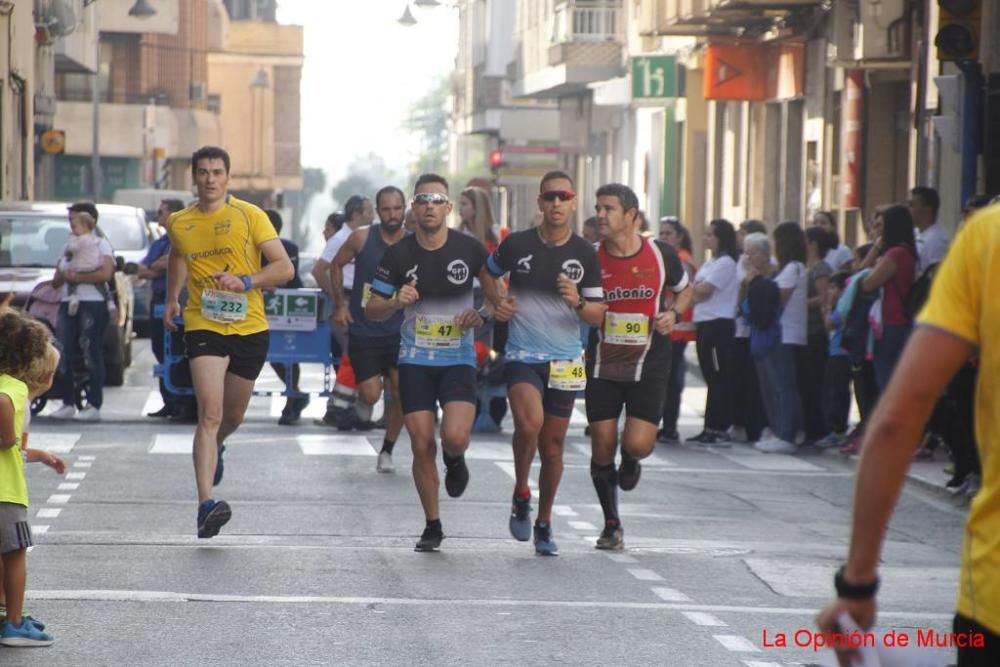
{"type": "Point", "coordinates": [292, 310]}
{"type": "Point", "coordinates": [654, 77]}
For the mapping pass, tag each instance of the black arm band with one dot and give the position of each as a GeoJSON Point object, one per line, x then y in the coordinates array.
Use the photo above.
{"type": "Point", "coordinates": [851, 591]}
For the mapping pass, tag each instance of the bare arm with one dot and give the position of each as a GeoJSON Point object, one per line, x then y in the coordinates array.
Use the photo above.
{"type": "Point", "coordinates": [703, 291]}
{"type": "Point", "coordinates": [684, 299]}
{"type": "Point", "coordinates": [880, 275]}
{"type": "Point", "coordinates": [96, 277]}
{"type": "Point", "coordinates": [176, 275]}
{"type": "Point", "coordinates": [355, 242]}
{"type": "Point", "coordinates": [321, 272]}
{"type": "Point", "coordinates": [8, 437]}
{"type": "Point", "coordinates": [154, 270]}
{"type": "Point", "coordinates": [493, 288]}
{"type": "Point", "coordinates": [279, 269]}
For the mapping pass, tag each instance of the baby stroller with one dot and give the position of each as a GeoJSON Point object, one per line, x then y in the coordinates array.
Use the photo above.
{"type": "Point", "coordinates": [43, 305]}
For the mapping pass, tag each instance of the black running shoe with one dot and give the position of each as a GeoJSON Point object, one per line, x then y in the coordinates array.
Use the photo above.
{"type": "Point", "coordinates": [220, 467]}
{"type": "Point", "coordinates": [212, 516]}
{"type": "Point", "coordinates": [456, 476]}
{"type": "Point", "coordinates": [430, 540]}
{"type": "Point", "coordinates": [628, 473]}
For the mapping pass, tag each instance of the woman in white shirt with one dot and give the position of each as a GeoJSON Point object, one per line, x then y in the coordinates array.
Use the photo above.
{"type": "Point", "coordinates": [715, 292]}
{"type": "Point", "coordinates": [792, 280]}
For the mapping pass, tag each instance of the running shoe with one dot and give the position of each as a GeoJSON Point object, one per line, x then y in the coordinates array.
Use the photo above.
{"type": "Point", "coordinates": [212, 516]}
{"type": "Point", "coordinates": [628, 473]}
{"type": "Point", "coordinates": [612, 539]}
{"type": "Point", "coordinates": [24, 615]}
{"type": "Point", "coordinates": [26, 633]}
{"type": "Point", "coordinates": [776, 446]}
{"type": "Point", "coordinates": [544, 544]}
{"type": "Point", "coordinates": [852, 446]}
{"type": "Point", "coordinates": [88, 414]}
{"type": "Point", "coordinates": [430, 540]}
{"type": "Point", "coordinates": [698, 439]}
{"type": "Point", "coordinates": [714, 439]}
{"type": "Point", "coordinates": [220, 467]}
{"type": "Point", "coordinates": [520, 519]}
{"type": "Point", "coordinates": [65, 412]}
{"type": "Point", "coordinates": [738, 434]}
{"type": "Point", "coordinates": [385, 462]}
{"type": "Point", "coordinates": [163, 412]}
{"type": "Point", "coordinates": [456, 476]}
{"type": "Point", "coordinates": [668, 437]}
{"type": "Point", "coordinates": [830, 440]}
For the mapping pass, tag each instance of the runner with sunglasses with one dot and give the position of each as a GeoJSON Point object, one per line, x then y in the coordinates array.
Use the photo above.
{"type": "Point", "coordinates": [628, 356]}
{"type": "Point", "coordinates": [428, 275]}
{"type": "Point", "coordinates": [555, 283]}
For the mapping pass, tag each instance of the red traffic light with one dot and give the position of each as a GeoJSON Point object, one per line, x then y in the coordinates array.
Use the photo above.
{"type": "Point", "coordinates": [496, 158]}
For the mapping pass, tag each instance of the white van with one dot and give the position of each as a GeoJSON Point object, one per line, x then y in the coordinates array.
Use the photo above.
{"type": "Point", "coordinates": [149, 199]}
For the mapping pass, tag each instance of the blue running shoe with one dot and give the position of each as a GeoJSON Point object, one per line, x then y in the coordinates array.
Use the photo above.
{"type": "Point", "coordinates": [544, 544]}
{"type": "Point", "coordinates": [212, 516]}
{"type": "Point", "coordinates": [25, 634]}
{"type": "Point", "coordinates": [220, 467]}
{"type": "Point", "coordinates": [24, 615]}
{"type": "Point", "coordinates": [520, 519]}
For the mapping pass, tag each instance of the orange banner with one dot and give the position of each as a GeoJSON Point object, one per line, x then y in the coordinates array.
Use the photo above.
{"type": "Point", "coordinates": [754, 72]}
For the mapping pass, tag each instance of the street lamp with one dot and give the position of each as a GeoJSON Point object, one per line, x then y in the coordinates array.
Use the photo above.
{"type": "Point", "coordinates": [141, 10]}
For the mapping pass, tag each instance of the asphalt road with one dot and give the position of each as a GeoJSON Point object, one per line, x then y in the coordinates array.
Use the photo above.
{"type": "Point", "coordinates": [725, 550]}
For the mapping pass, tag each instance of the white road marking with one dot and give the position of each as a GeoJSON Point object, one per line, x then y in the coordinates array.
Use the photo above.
{"type": "Point", "coordinates": [759, 663]}
{"type": "Point", "coordinates": [58, 499]}
{"type": "Point", "coordinates": [644, 575]}
{"type": "Point", "coordinates": [563, 510]}
{"type": "Point", "coordinates": [578, 418]}
{"type": "Point", "coordinates": [49, 513]}
{"type": "Point", "coordinates": [162, 596]}
{"type": "Point", "coordinates": [759, 461]}
{"type": "Point", "coordinates": [582, 525]}
{"type": "Point", "coordinates": [670, 594]}
{"type": "Point", "coordinates": [172, 443]}
{"type": "Point", "coordinates": [76, 475]}
{"type": "Point", "coordinates": [57, 443]}
{"type": "Point", "coordinates": [490, 451]}
{"type": "Point", "coordinates": [88, 458]}
{"type": "Point", "coordinates": [335, 445]}
{"type": "Point", "coordinates": [153, 403]}
{"type": "Point", "coordinates": [69, 486]}
{"type": "Point", "coordinates": [83, 464]}
{"type": "Point", "coordinates": [819, 472]}
{"type": "Point", "coordinates": [40, 529]}
{"type": "Point", "coordinates": [737, 643]}
{"type": "Point", "coordinates": [508, 468]}
{"type": "Point", "coordinates": [703, 618]}
{"type": "Point", "coordinates": [621, 558]}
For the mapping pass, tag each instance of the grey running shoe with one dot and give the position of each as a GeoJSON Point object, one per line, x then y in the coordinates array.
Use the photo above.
{"type": "Point", "coordinates": [544, 544]}
{"type": "Point", "coordinates": [520, 519]}
{"type": "Point", "coordinates": [385, 462]}
{"type": "Point", "coordinates": [612, 539]}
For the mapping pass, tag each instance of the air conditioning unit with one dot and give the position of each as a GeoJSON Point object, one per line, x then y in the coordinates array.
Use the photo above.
{"type": "Point", "coordinates": [870, 34]}
{"type": "Point", "coordinates": [197, 92]}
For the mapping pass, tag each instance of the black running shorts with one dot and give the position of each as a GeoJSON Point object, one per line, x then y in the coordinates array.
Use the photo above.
{"type": "Point", "coordinates": [642, 400]}
{"type": "Point", "coordinates": [555, 402]}
{"type": "Point", "coordinates": [247, 354]}
{"type": "Point", "coordinates": [423, 387]}
{"type": "Point", "coordinates": [373, 355]}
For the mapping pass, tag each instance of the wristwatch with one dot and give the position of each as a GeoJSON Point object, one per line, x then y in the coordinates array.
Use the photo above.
{"type": "Point", "coordinates": [851, 591]}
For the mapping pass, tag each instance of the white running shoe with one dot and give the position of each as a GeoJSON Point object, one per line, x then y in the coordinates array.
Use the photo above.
{"type": "Point", "coordinates": [385, 462]}
{"type": "Point", "coordinates": [776, 446]}
{"type": "Point", "coordinates": [88, 414]}
{"type": "Point", "coordinates": [65, 412]}
{"type": "Point", "coordinates": [738, 434]}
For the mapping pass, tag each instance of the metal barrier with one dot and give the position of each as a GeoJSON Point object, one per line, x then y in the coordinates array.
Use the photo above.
{"type": "Point", "coordinates": [299, 321]}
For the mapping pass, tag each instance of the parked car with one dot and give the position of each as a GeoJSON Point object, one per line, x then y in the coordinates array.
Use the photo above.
{"type": "Point", "coordinates": [32, 238]}
{"type": "Point", "coordinates": [131, 235]}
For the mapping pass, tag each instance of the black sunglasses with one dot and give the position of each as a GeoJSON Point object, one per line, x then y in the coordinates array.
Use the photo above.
{"type": "Point", "coordinates": [563, 195]}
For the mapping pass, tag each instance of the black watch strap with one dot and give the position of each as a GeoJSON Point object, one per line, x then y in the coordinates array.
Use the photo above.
{"type": "Point", "coordinates": [851, 591]}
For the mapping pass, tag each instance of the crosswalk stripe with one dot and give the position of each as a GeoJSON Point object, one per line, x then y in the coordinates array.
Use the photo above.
{"type": "Point", "coordinates": [335, 445]}
{"type": "Point", "coordinates": [703, 618]}
{"type": "Point", "coordinates": [780, 462]}
{"type": "Point", "coordinates": [171, 443]}
{"type": "Point", "coordinates": [57, 443]}
{"type": "Point", "coordinates": [670, 594]}
{"type": "Point", "coordinates": [153, 403]}
{"type": "Point", "coordinates": [736, 643]}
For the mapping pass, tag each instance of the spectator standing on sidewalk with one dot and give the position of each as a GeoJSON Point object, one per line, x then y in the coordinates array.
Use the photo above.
{"type": "Point", "coordinates": [932, 239]}
{"type": "Point", "coordinates": [812, 359]}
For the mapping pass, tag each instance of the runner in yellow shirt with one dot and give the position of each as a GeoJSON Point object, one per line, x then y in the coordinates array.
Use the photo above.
{"type": "Point", "coordinates": [960, 318]}
{"type": "Point", "coordinates": [216, 247]}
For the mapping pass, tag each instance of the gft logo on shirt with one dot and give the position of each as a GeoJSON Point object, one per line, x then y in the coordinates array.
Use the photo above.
{"type": "Point", "coordinates": [458, 272]}
{"type": "Point", "coordinates": [573, 270]}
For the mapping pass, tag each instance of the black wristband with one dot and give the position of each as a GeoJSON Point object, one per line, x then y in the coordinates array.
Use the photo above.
{"type": "Point", "coordinates": [851, 591]}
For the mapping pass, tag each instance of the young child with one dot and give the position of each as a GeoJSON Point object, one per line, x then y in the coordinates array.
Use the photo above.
{"type": "Point", "coordinates": [28, 362]}
{"type": "Point", "coordinates": [82, 253]}
{"type": "Point", "coordinates": [837, 375]}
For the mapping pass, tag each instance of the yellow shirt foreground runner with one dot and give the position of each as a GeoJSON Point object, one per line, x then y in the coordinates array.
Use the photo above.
{"type": "Point", "coordinates": [225, 240]}
{"type": "Point", "coordinates": [965, 302]}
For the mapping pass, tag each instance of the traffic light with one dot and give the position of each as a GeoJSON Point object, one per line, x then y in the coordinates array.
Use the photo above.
{"type": "Point", "coordinates": [959, 29]}
{"type": "Point", "coordinates": [496, 160]}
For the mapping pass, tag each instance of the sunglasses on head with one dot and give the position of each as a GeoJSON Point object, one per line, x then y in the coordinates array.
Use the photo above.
{"type": "Point", "coordinates": [430, 198]}
{"type": "Point", "coordinates": [563, 195]}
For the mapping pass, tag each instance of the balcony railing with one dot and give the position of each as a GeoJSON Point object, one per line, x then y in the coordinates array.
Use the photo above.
{"type": "Point", "coordinates": [588, 21]}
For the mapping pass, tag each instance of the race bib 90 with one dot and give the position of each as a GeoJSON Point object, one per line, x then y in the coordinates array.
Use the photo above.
{"type": "Point", "coordinates": [626, 328]}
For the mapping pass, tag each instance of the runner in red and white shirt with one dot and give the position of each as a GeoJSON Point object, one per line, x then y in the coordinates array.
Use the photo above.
{"type": "Point", "coordinates": [628, 357]}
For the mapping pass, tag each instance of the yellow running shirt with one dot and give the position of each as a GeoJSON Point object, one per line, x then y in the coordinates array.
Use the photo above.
{"type": "Point", "coordinates": [226, 240]}
{"type": "Point", "coordinates": [13, 488]}
{"type": "Point", "coordinates": [965, 302]}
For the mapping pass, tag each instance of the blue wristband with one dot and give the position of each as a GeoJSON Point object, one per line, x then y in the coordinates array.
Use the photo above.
{"type": "Point", "coordinates": [247, 283]}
